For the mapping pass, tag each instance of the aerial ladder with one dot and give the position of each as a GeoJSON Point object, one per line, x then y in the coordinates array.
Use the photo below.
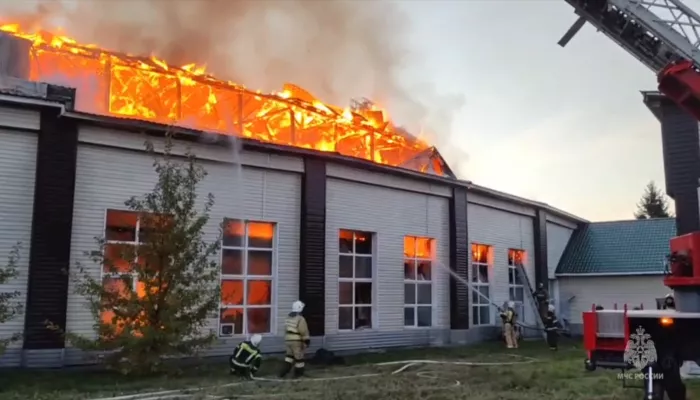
{"type": "Point", "coordinates": [665, 36]}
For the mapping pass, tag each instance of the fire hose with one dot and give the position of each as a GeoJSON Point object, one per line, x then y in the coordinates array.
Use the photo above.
{"type": "Point", "coordinates": [490, 302]}
{"type": "Point", "coordinates": [193, 393]}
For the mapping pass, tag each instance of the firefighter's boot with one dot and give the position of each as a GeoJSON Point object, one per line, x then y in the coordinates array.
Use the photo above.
{"type": "Point", "coordinates": [298, 372]}
{"type": "Point", "coordinates": [285, 369]}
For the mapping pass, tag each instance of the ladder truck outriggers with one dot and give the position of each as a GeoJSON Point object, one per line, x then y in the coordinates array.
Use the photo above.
{"type": "Point", "coordinates": [665, 36]}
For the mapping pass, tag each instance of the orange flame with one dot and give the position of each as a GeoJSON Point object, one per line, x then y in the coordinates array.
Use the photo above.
{"type": "Point", "coordinates": [148, 88]}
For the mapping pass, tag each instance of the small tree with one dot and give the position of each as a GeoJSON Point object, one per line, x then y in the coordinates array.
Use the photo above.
{"type": "Point", "coordinates": [653, 204]}
{"type": "Point", "coordinates": [158, 306]}
{"type": "Point", "coordinates": [9, 306]}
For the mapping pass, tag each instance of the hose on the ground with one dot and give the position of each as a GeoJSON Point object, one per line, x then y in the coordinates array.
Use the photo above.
{"type": "Point", "coordinates": [182, 394]}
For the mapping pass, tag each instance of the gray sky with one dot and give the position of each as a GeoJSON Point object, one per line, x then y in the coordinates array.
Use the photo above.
{"type": "Point", "coordinates": [565, 126]}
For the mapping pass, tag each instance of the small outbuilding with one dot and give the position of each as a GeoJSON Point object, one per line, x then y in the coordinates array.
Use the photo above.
{"type": "Point", "coordinates": [614, 263]}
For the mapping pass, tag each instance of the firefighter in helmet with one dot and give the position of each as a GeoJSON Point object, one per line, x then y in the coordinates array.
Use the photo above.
{"type": "Point", "coordinates": [669, 302]}
{"type": "Point", "coordinates": [551, 328]}
{"type": "Point", "coordinates": [296, 341]}
{"type": "Point", "coordinates": [542, 298]}
{"type": "Point", "coordinates": [509, 318]}
{"type": "Point", "coordinates": [246, 358]}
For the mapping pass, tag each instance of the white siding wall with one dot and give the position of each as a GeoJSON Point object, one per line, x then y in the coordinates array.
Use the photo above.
{"type": "Point", "coordinates": [391, 214]}
{"type": "Point", "coordinates": [606, 291]}
{"type": "Point", "coordinates": [106, 177]}
{"type": "Point", "coordinates": [20, 118]}
{"type": "Point", "coordinates": [557, 238]}
{"type": "Point", "coordinates": [503, 230]}
{"type": "Point", "coordinates": [562, 222]}
{"type": "Point", "coordinates": [387, 180]}
{"type": "Point", "coordinates": [17, 172]}
{"type": "Point", "coordinates": [501, 204]}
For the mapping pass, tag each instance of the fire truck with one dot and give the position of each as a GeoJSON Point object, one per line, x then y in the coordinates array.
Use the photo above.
{"type": "Point", "coordinates": [665, 36]}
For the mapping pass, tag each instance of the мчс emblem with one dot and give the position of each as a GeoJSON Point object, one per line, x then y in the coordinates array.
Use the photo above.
{"type": "Point", "coordinates": [640, 350]}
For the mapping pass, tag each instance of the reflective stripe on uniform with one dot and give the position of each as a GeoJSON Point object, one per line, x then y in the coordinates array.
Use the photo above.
{"type": "Point", "coordinates": [299, 364]}
{"type": "Point", "coordinates": [252, 352]}
{"type": "Point", "coordinates": [239, 364]}
{"type": "Point", "coordinates": [291, 326]}
{"type": "Point", "coordinates": [510, 316]}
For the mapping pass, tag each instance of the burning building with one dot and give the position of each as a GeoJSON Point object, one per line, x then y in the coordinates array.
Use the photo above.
{"type": "Point", "coordinates": [150, 89]}
{"type": "Point", "coordinates": [327, 205]}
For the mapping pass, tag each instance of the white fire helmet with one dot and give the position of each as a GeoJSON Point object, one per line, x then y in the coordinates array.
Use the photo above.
{"type": "Point", "coordinates": [255, 340]}
{"type": "Point", "coordinates": [551, 307]}
{"type": "Point", "coordinates": [511, 304]}
{"type": "Point", "coordinates": [297, 306]}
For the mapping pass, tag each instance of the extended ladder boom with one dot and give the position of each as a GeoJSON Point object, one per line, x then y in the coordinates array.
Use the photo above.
{"type": "Point", "coordinates": [663, 34]}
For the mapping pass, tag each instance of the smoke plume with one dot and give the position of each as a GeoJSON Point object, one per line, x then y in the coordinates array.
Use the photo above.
{"type": "Point", "coordinates": [336, 49]}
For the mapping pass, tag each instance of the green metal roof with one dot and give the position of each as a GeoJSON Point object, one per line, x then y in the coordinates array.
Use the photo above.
{"type": "Point", "coordinates": [624, 247]}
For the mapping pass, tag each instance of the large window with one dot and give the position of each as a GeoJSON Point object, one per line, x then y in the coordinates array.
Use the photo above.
{"type": "Point", "coordinates": [481, 293]}
{"type": "Point", "coordinates": [247, 265]}
{"type": "Point", "coordinates": [516, 286]}
{"type": "Point", "coordinates": [355, 280]}
{"type": "Point", "coordinates": [418, 281]}
{"type": "Point", "coordinates": [125, 231]}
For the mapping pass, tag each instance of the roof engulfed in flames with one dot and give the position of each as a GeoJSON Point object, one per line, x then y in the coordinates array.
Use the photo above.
{"type": "Point", "coordinates": [147, 88]}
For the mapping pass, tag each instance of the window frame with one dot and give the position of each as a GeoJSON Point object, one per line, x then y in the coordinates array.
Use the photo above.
{"type": "Point", "coordinates": [416, 282]}
{"type": "Point", "coordinates": [518, 282]}
{"type": "Point", "coordinates": [136, 242]}
{"type": "Point", "coordinates": [475, 308]}
{"type": "Point", "coordinates": [373, 280]}
{"type": "Point", "coordinates": [244, 278]}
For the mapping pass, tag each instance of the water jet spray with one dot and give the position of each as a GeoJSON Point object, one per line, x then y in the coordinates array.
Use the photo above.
{"type": "Point", "coordinates": [469, 285]}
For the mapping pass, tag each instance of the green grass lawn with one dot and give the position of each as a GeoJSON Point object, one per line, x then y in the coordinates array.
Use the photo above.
{"type": "Point", "coordinates": [553, 376]}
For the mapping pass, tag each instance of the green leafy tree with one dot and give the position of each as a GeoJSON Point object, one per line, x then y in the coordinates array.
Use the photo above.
{"type": "Point", "coordinates": [165, 314]}
{"type": "Point", "coordinates": [10, 306]}
{"type": "Point", "coordinates": [653, 203]}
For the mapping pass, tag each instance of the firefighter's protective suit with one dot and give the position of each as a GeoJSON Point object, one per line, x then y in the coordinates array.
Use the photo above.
{"type": "Point", "coordinates": [509, 320]}
{"type": "Point", "coordinates": [296, 341]}
{"type": "Point", "coordinates": [245, 360]}
{"type": "Point", "coordinates": [551, 328]}
{"type": "Point", "coordinates": [542, 299]}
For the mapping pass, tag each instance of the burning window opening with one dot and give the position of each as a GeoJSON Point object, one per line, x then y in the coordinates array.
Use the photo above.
{"type": "Point", "coordinates": [419, 253]}
{"type": "Point", "coordinates": [516, 284]}
{"type": "Point", "coordinates": [482, 260]}
{"type": "Point", "coordinates": [147, 88]}
{"type": "Point", "coordinates": [126, 232]}
{"type": "Point", "coordinates": [247, 256]}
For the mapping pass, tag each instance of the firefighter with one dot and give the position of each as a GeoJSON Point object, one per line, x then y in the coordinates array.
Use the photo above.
{"type": "Point", "coordinates": [296, 340]}
{"type": "Point", "coordinates": [669, 302]}
{"type": "Point", "coordinates": [509, 320]}
{"type": "Point", "coordinates": [542, 298]}
{"type": "Point", "coordinates": [551, 328]}
{"type": "Point", "coordinates": [245, 360]}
